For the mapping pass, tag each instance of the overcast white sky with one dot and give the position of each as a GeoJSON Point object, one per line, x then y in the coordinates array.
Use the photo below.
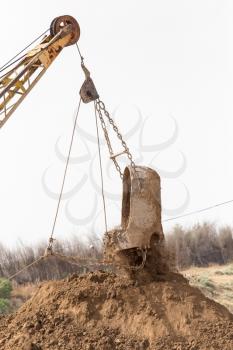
{"type": "Point", "coordinates": [172, 61]}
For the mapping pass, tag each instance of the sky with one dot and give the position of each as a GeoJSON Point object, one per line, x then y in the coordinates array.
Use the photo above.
{"type": "Point", "coordinates": [164, 70]}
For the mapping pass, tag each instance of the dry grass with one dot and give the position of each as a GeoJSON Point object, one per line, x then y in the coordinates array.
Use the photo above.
{"type": "Point", "coordinates": [216, 282]}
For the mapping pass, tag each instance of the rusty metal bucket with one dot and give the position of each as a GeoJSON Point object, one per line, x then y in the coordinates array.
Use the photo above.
{"type": "Point", "coordinates": [141, 212]}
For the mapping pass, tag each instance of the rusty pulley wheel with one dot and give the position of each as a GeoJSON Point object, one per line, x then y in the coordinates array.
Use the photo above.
{"type": "Point", "coordinates": [60, 22]}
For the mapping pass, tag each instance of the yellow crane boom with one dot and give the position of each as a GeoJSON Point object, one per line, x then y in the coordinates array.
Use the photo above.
{"type": "Point", "coordinates": [19, 80]}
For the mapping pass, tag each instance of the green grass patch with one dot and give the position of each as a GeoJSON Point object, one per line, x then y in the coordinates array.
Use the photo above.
{"type": "Point", "coordinates": [228, 270]}
{"type": "Point", "coordinates": [206, 283]}
{"type": "Point", "coordinates": [5, 288]}
{"type": "Point", "coordinates": [4, 306]}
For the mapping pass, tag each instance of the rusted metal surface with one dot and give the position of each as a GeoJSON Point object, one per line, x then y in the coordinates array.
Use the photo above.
{"type": "Point", "coordinates": [66, 21]}
{"type": "Point", "coordinates": [88, 90]}
{"type": "Point", "coordinates": [141, 212]}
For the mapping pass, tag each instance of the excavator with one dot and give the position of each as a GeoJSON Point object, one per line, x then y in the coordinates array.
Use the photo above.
{"type": "Point", "coordinates": [138, 242]}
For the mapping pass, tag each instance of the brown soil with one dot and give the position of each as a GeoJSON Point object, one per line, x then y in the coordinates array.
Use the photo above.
{"type": "Point", "coordinates": [103, 311]}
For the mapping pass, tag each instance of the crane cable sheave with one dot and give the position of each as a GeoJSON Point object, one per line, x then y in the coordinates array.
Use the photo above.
{"type": "Point", "coordinates": [68, 22]}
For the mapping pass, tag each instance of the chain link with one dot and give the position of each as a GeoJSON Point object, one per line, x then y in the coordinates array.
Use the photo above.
{"type": "Point", "coordinates": [100, 107]}
{"type": "Point", "coordinates": [103, 125]}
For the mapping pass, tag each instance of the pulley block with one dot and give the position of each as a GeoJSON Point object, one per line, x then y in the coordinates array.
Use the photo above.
{"type": "Point", "coordinates": [60, 22]}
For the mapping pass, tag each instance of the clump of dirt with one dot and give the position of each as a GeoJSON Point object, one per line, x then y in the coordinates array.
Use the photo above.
{"type": "Point", "coordinates": [105, 311]}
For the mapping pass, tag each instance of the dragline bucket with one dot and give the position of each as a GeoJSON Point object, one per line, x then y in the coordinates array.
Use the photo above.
{"type": "Point", "coordinates": [141, 213]}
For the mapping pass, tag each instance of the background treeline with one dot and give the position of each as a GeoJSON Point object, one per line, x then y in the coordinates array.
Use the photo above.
{"type": "Point", "coordinates": [199, 245]}
{"type": "Point", "coordinates": [52, 267]}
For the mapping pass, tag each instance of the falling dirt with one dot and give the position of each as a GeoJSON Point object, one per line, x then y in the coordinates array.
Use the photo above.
{"type": "Point", "coordinates": [103, 311]}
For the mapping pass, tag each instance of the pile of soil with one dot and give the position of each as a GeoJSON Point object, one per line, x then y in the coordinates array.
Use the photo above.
{"type": "Point", "coordinates": [104, 311]}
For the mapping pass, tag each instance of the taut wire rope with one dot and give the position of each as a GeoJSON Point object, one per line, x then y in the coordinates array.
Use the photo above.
{"type": "Point", "coordinates": [199, 211]}
{"type": "Point", "coordinates": [26, 267]}
{"type": "Point", "coordinates": [81, 56]}
{"type": "Point", "coordinates": [8, 62]}
{"type": "Point", "coordinates": [101, 169]}
{"type": "Point", "coordinates": [64, 177]}
{"type": "Point", "coordinates": [49, 251]}
{"type": "Point", "coordinates": [51, 239]}
{"type": "Point", "coordinates": [12, 69]}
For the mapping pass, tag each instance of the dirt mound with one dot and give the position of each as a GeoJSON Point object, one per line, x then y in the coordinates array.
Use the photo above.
{"type": "Point", "coordinates": [104, 311]}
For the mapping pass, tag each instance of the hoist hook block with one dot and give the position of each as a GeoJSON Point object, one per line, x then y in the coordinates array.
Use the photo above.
{"type": "Point", "coordinates": [88, 90]}
{"type": "Point", "coordinates": [60, 22]}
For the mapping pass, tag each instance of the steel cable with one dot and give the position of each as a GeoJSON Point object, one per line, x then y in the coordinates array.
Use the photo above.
{"type": "Point", "coordinates": [26, 267]}
{"type": "Point", "coordinates": [101, 170]}
{"type": "Point", "coordinates": [8, 63]}
{"type": "Point", "coordinates": [199, 210]}
{"type": "Point", "coordinates": [64, 176]}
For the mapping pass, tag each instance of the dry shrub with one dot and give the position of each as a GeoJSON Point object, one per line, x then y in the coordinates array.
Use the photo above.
{"type": "Point", "coordinates": [200, 245]}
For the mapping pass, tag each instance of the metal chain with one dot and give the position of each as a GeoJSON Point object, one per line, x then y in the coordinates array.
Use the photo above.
{"type": "Point", "coordinates": [103, 125]}
{"type": "Point", "coordinates": [100, 107]}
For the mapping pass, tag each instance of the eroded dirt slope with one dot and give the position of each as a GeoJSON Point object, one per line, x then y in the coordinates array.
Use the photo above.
{"type": "Point", "coordinates": [104, 311]}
